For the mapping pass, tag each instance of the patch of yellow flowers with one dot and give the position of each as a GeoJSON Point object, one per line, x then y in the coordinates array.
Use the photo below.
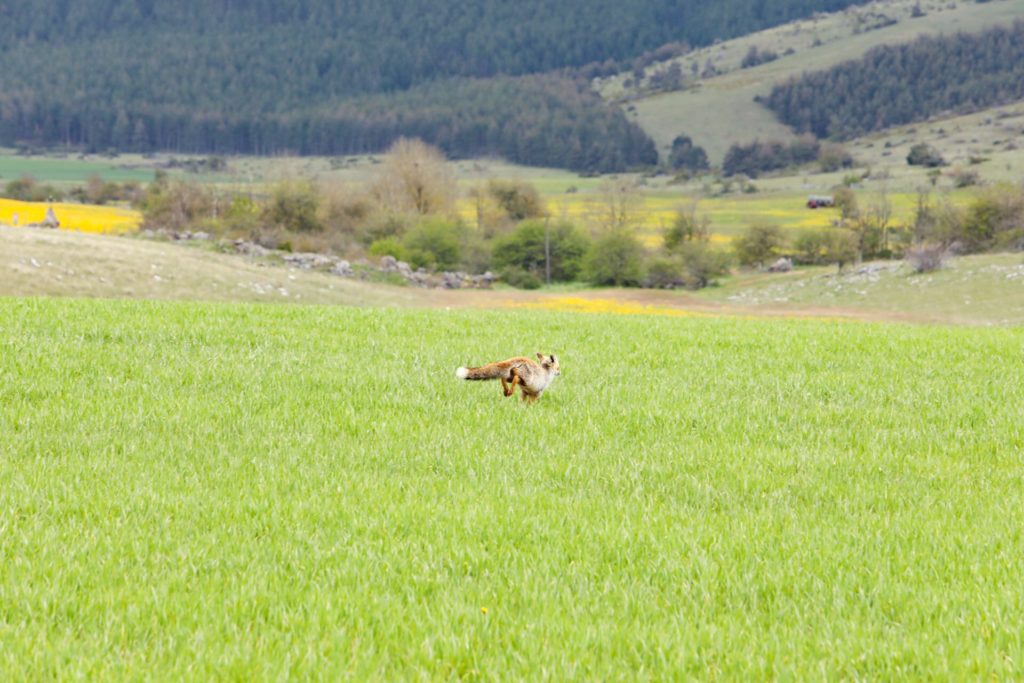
{"type": "Point", "coordinates": [81, 217]}
{"type": "Point", "coordinates": [579, 304]}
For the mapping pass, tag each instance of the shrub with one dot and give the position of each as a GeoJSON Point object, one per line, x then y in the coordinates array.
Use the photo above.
{"type": "Point", "coordinates": [524, 249]}
{"type": "Point", "coordinates": [811, 247]}
{"type": "Point", "coordinates": [434, 243]}
{"type": "Point", "coordinates": [926, 258]}
{"type": "Point", "coordinates": [665, 273]}
{"type": "Point", "coordinates": [517, 198]}
{"type": "Point", "coordinates": [833, 157]}
{"type": "Point", "coordinates": [175, 205]}
{"type": "Point", "coordinates": [519, 278]}
{"type": "Point", "coordinates": [923, 154]}
{"type": "Point", "coordinates": [755, 57]}
{"type": "Point", "coordinates": [759, 244]}
{"type": "Point", "coordinates": [686, 227]}
{"type": "Point", "coordinates": [615, 259]}
{"type": "Point", "coordinates": [294, 207]}
{"type": "Point", "coordinates": [27, 189]}
{"type": "Point", "coordinates": [702, 263]}
{"type": "Point", "coordinates": [389, 246]}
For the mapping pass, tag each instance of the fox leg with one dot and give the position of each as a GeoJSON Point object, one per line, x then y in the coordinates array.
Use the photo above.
{"type": "Point", "coordinates": [512, 387]}
{"type": "Point", "coordinates": [504, 387]}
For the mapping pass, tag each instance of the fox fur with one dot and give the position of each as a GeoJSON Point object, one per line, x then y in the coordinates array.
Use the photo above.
{"type": "Point", "coordinates": [532, 377]}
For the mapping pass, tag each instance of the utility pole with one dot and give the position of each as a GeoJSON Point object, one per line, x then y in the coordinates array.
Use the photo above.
{"type": "Point", "coordinates": [547, 248]}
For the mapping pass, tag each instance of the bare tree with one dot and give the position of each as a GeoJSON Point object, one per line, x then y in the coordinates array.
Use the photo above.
{"type": "Point", "coordinates": [415, 178]}
{"type": "Point", "coordinates": [621, 203]}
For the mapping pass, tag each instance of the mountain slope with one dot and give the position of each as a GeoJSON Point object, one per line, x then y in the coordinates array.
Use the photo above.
{"type": "Point", "coordinates": [721, 111]}
{"type": "Point", "coordinates": [311, 76]}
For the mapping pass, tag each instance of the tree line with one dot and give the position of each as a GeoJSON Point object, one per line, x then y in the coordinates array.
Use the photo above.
{"type": "Point", "coordinates": [541, 120]}
{"type": "Point", "coordinates": [316, 77]}
{"type": "Point", "coordinates": [898, 84]}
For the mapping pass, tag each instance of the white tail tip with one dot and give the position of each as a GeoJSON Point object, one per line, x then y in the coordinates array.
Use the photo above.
{"type": "Point", "coordinates": [462, 373]}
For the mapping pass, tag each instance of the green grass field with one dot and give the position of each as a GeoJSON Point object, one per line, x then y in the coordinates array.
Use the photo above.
{"type": "Point", "coordinates": [70, 170]}
{"type": "Point", "coordinates": [200, 491]}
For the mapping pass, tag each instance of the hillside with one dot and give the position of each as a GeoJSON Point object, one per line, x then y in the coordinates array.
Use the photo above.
{"type": "Point", "coordinates": [974, 290]}
{"type": "Point", "coordinates": [719, 110]}
{"type": "Point", "coordinates": [313, 77]}
{"type": "Point", "coordinates": [894, 85]}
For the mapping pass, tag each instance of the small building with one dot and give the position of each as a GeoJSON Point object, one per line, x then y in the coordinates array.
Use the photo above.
{"type": "Point", "coordinates": [817, 201]}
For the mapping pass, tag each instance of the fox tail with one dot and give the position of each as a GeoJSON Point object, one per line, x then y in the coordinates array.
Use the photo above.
{"type": "Point", "coordinates": [485, 372]}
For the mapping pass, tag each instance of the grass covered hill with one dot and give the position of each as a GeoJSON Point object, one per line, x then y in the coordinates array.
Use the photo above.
{"type": "Point", "coordinates": [267, 492]}
{"type": "Point", "coordinates": [316, 77]}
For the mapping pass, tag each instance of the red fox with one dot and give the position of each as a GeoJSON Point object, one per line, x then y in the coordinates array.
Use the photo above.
{"type": "Point", "coordinates": [531, 378]}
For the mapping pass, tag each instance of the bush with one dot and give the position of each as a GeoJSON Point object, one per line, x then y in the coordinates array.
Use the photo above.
{"type": "Point", "coordinates": [994, 218]}
{"type": "Point", "coordinates": [175, 205]}
{"type": "Point", "coordinates": [926, 258]}
{"type": "Point", "coordinates": [524, 249]}
{"type": "Point", "coordinates": [759, 245]}
{"type": "Point", "coordinates": [702, 263]}
{"type": "Point", "coordinates": [294, 207]}
{"type": "Point", "coordinates": [389, 246]}
{"type": "Point", "coordinates": [435, 243]}
{"type": "Point", "coordinates": [923, 154]}
{"type": "Point", "coordinates": [27, 189]}
{"type": "Point", "coordinates": [686, 227]}
{"type": "Point", "coordinates": [519, 278]}
{"type": "Point", "coordinates": [811, 247]}
{"type": "Point", "coordinates": [833, 157]}
{"type": "Point", "coordinates": [616, 259]}
{"type": "Point", "coordinates": [665, 273]}
{"type": "Point", "coordinates": [517, 198]}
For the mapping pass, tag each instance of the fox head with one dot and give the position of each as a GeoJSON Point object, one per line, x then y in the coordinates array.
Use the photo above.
{"type": "Point", "coordinates": [549, 363]}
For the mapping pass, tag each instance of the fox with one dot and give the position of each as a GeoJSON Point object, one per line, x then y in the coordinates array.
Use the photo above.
{"type": "Point", "coordinates": [531, 377]}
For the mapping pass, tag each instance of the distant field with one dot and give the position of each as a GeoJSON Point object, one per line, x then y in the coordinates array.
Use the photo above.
{"type": "Point", "coordinates": [265, 492]}
{"type": "Point", "coordinates": [69, 170]}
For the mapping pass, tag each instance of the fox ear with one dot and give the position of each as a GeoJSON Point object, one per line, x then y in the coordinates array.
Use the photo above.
{"type": "Point", "coordinates": [553, 358]}
{"type": "Point", "coordinates": [540, 356]}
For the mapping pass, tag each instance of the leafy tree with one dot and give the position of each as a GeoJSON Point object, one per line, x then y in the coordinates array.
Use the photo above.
{"type": "Point", "coordinates": [759, 244]}
{"type": "Point", "coordinates": [525, 249]}
{"type": "Point", "coordinates": [615, 259]}
{"type": "Point", "coordinates": [686, 227]}
{"type": "Point", "coordinates": [685, 155]}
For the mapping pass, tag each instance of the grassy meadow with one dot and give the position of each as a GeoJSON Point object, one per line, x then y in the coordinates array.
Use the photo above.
{"type": "Point", "coordinates": [258, 492]}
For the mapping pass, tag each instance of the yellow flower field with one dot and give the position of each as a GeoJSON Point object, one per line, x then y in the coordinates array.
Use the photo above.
{"type": "Point", "coordinates": [81, 217]}
{"type": "Point", "coordinates": [578, 304]}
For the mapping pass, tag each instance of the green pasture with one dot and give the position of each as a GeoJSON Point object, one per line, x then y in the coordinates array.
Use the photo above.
{"type": "Point", "coordinates": [70, 170]}
{"type": "Point", "coordinates": [246, 492]}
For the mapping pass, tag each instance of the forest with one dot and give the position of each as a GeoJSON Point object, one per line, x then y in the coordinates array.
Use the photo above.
{"type": "Point", "coordinates": [898, 84]}
{"type": "Point", "coordinates": [314, 77]}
